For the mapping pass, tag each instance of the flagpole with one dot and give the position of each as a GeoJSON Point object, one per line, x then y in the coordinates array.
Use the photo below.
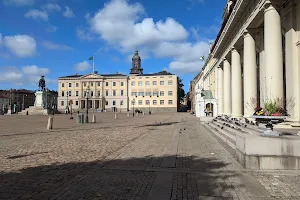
{"type": "Point", "coordinates": [93, 64]}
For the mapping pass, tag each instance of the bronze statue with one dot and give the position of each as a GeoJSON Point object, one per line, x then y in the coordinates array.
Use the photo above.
{"type": "Point", "coordinates": [42, 83]}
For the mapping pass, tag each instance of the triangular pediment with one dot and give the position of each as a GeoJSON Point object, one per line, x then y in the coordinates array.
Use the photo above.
{"type": "Point", "coordinates": [91, 76]}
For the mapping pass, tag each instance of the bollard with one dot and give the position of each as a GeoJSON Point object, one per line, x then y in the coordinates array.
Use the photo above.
{"type": "Point", "coordinates": [143, 113]}
{"type": "Point", "coordinates": [137, 114]}
{"type": "Point", "coordinates": [116, 116]}
{"type": "Point", "coordinates": [94, 119]}
{"type": "Point", "coordinates": [78, 119]}
{"type": "Point", "coordinates": [128, 114]}
{"type": "Point", "coordinates": [50, 123]}
{"type": "Point", "coordinates": [27, 112]}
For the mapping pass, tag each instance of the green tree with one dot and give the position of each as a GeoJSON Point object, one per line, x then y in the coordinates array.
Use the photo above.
{"type": "Point", "coordinates": [180, 91]}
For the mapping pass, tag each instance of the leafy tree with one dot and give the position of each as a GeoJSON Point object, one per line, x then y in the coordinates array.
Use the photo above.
{"type": "Point", "coordinates": [180, 91]}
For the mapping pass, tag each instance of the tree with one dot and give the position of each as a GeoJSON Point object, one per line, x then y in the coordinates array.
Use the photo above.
{"type": "Point", "coordinates": [180, 91]}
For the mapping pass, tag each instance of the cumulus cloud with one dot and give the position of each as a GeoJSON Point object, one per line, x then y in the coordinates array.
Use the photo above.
{"type": "Point", "coordinates": [33, 70]}
{"type": "Point", "coordinates": [68, 13]}
{"type": "Point", "coordinates": [84, 34]}
{"type": "Point", "coordinates": [51, 28]}
{"type": "Point", "coordinates": [51, 7]}
{"type": "Point", "coordinates": [20, 45]}
{"type": "Point", "coordinates": [122, 25]}
{"type": "Point", "coordinates": [18, 2]}
{"type": "Point", "coordinates": [53, 46]}
{"type": "Point", "coordinates": [37, 15]}
{"type": "Point", "coordinates": [82, 66]}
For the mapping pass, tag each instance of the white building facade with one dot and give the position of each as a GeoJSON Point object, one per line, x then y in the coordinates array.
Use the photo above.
{"type": "Point", "coordinates": [257, 57]}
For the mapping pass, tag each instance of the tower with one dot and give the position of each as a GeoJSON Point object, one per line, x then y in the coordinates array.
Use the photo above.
{"type": "Point", "coordinates": [136, 64]}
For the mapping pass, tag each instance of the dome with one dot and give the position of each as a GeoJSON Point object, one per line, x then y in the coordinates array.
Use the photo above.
{"type": "Point", "coordinates": [136, 56]}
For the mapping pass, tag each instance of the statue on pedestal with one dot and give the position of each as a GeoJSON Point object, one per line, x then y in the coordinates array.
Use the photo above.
{"type": "Point", "coordinates": [42, 83]}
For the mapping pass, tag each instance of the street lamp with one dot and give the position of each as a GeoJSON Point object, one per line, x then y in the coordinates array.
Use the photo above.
{"type": "Point", "coordinates": [87, 105]}
{"type": "Point", "coordinates": [23, 105]}
{"type": "Point", "coordinates": [67, 103]}
{"type": "Point", "coordinates": [149, 105]}
{"type": "Point", "coordinates": [133, 102]}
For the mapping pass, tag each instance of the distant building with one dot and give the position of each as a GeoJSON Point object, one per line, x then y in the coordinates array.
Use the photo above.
{"type": "Point", "coordinates": [4, 103]}
{"type": "Point", "coordinates": [19, 99]}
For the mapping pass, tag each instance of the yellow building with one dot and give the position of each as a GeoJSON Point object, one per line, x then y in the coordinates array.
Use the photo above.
{"type": "Point", "coordinates": [117, 92]}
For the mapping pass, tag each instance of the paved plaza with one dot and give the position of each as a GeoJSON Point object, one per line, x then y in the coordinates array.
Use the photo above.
{"type": "Point", "coordinates": [153, 157]}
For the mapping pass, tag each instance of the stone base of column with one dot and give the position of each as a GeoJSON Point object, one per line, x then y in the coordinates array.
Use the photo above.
{"type": "Point", "coordinates": [236, 116]}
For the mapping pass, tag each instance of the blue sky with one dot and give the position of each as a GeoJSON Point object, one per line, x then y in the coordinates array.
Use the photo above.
{"type": "Point", "coordinates": [56, 37]}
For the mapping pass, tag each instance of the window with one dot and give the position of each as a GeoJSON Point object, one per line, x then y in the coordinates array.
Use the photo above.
{"type": "Point", "coordinates": [141, 94]}
{"type": "Point", "coordinates": [132, 83]}
{"type": "Point", "coordinates": [170, 102]}
{"type": "Point", "coordinates": [84, 84]}
{"type": "Point", "coordinates": [70, 93]}
{"type": "Point", "coordinates": [77, 93]}
{"type": "Point", "coordinates": [140, 102]}
{"type": "Point", "coordinates": [106, 83]}
{"type": "Point", "coordinates": [63, 85]}
{"type": "Point", "coordinates": [114, 83]}
{"type": "Point", "coordinates": [162, 82]}
{"type": "Point", "coordinates": [140, 83]}
{"type": "Point", "coordinates": [62, 93]}
{"type": "Point", "coordinates": [114, 92]}
{"type": "Point", "coordinates": [98, 93]}
{"type": "Point", "coordinates": [114, 103]}
{"type": "Point", "coordinates": [76, 103]}
{"type": "Point", "coordinates": [154, 102]}
{"type": "Point", "coordinates": [162, 93]}
{"type": "Point", "coordinates": [106, 93]}
{"type": "Point", "coordinates": [148, 94]}
{"type": "Point", "coordinates": [77, 85]}
{"type": "Point", "coordinates": [170, 82]}
{"type": "Point", "coordinates": [162, 102]}
{"type": "Point", "coordinates": [62, 103]}
{"type": "Point", "coordinates": [106, 102]}
{"type": "Point", "coordinates": [154, 83]}
{"type": "Point", "coordinates": [147, 83]}
{"type": "Point", "coordinates": [122, 92]}
{"type": "Point", "coordinates": [98, 83]}
{"type": "Point", "coordinates": [92, 93]}
{"type": "Point", "coordinates": [92, 84]}
{"type": "Point", "coordinates": [147, 102]}
{"type": "Point", "coordinates": [84, 94]}
{"type": "Point", "coordinates": [122, 83]}
{"type": "Point", "coordinates": [170, 93]}
{"type": "Point", "coordinates": [70, 84]}
{"type": "Point", "coordinates": [155, 94]}
{"type": "Point", "coordinates": [121, 102]}
{"type": "Point", "coordinates": [133, 94]}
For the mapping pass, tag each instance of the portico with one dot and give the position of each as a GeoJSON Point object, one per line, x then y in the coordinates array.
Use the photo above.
{"type": "Point", "coordinates": [257, 53]}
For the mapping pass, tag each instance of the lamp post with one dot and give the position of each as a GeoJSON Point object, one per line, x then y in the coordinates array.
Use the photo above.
{"type": "Point", "coordinates": [149, 105]}
{"type": "Point", "coordinates": [133, 102]}
{"type": "Point", "coordinates": [67, 102]}
{"type": "Point", "coordinates": [23, 105]}
{"type": "Point", "coordinates": [10, 101]}
{"type": "Point", "coordinates": [87, 105]}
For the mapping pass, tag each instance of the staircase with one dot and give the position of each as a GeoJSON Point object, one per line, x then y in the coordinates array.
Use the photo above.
{"type": "Point", "coordinates": [32, 110]}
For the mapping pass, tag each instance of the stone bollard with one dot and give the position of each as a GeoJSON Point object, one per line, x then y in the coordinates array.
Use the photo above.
{"type": "Point", "coordinates": [128, 114]}
{"type": "Point", "coordinates": [143, 113]}
{"type": "Point", "coordinates": [94, 119]}
{"type": "Point", "coordinates": [137, 114]}
{"type": "Point", "coordinates": [79, 118]}
{"type": "Point", "coordinates": [116, 116]}
{"type": "Point", "coordinates": [50, 123]}
{"type": "Point", "coordinates": [27, 112]}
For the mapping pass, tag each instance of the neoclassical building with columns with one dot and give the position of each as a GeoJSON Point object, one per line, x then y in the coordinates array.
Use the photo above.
{"type": "Point", "coordinates": [256, 57]}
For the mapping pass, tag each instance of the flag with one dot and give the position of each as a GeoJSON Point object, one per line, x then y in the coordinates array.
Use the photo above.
{"type": "Point", "coordinates": [202, 58]}
{"type": "Point", "coordinates": [91, 58]}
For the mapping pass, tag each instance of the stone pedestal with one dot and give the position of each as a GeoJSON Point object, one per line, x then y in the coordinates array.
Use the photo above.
{"type": "Point", "coordinates": [39, 99]}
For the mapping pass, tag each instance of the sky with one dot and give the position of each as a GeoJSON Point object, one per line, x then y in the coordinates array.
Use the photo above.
{"type": "Point", "coordinates": [56, 38]}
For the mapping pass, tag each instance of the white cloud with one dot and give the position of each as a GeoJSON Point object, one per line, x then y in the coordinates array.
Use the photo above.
{"type": "Point", "coordinates": [68, 13]}
{"type": "Point", "coordinates": [51, 7]}
{"type": "Point", "coordinates": [82, 66]}
{"type": "Point", "coordinates": [51, 29]}
{"type": "Point", "coordinates": [84, 34]}
{"type": "Point", "coordinates": [121, 25]}
{"type": "Point", "coordinates": [53, 46]}
{"type": "Point", "coordinates": [18, 2]}
{"type": "Point", "coordinates": [20, 45]}
{"type": "Point", "coordinates": [33, 70]}
{"type": "Point", "coordinates": [37, 15]}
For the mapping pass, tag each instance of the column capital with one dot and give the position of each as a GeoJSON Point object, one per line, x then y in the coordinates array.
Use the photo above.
{"type": "Point", "coordinates": [268, 6]}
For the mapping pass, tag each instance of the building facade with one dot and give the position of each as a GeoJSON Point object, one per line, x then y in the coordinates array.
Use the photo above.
{"type": "Point", "coordinates": [19, 99]}
{"type": "Point", "coordinates": [4, 104]}
{"type": "Point", "coordinates": [118, 92]}
{"type": "Point", "coordinates": [255, 57]}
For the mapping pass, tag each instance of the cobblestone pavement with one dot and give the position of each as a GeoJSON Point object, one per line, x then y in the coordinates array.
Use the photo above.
{"type": "Point", "coordinates": [152, 157]}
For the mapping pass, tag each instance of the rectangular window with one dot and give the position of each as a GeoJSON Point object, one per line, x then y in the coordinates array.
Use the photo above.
{"type": "Point", "coordinates": [162, 82]}
{"type": "Point", "coordinates": [133, 94]}
{"type": "Point", "coordinates": [147, 102]}
{"type": "Point", "coordinates": [70, 93]}
{"type": "Point", "coordinates": [121, 102]}
{"type": "Point", "coordinates": [162, 93]}
{"type": "Point", "coordinates": [170, 82]}
{"type": "Point", "coordinates": [140, 83]}
{"type": "Point", "coordinates": [84, 94]}
{"type": "Point", "coordinates": [77, 93]}
{"type": "Point", "coordinates": [62, 103]}
{"type": "Point", "coordinates": [106, 83]}
{"type": "Point", "coordinates": [106, 93]}
{"type": "Point", "coordinates": [140, 102]}
{"type": "Point", "coordinates": [98, 83]}
{"type": "Point", "coordinates": [114, 103]}
{"type": "Point", "coordinates": [92, 93]}
{"type": "Point", "coordinates": [154, 83]}
{"type": "Point", "coordinates": [170, 93]}
{"type": "Point", "coordinates": [155, 94]}
{"type": "Point", "coordinates": [132, 83]}
{"type": "Point", "coordinates": [62, 93]}
{"type": "Point", "coordinates": [76, 103]}
{"type": "Point", "coordinates": [77, 84]}
{"type": "Point", "coordinates": [154, 102]}
{"type": "Point", "coordinates": [170, 102]}
{"type": "Point", "coordinates": [141, 94]}
{"type": "Point", "coordinates": [106, 103]}
{"type": "Point", "coordinates": [99, 93]}
{"type": "Point", "coordinates": [122, 83]}
{"type": "Point", "coordinates": [162, 102]}
{"type": "Point", "coordinates": [148, 94]}
{"type": "Point", "coordinates": [122, 92]}
{"type": "Point", "coordinates": [114, 83]}
{"type": "Point", "coordinates": [92, 84]}
{"type": "Point", "coordinates": [70, 84]}
{"type": "Point", "coordinates": [84, 84]}
{"type": "Point", "coordinates": [147, 83]}
{"type": "Point", "coordinates": [114, 92]}
{"type": "Point", "coordinates": [62, 84]}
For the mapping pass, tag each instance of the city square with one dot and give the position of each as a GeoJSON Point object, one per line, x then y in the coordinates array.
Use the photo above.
{"type": "Point", "coordinates": [158, 156]}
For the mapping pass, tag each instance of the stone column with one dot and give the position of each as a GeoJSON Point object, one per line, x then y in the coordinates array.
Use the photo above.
{"type": "Point", "coordinates": [250, 74]}
{"type": "Point", "coordinates": [236, 84]}
{"type": "Point", "coordinates": [220, 91]}
{"type": "Point", "coordinates": [273, 52]}
{"type": "Point", "coordinates": [227, 88]}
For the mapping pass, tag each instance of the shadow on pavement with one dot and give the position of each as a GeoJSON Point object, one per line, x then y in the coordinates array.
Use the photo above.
{"type": "Point", "coordinates": [133, 178]}
{"type": "Point", "coordinates": [160, 124]}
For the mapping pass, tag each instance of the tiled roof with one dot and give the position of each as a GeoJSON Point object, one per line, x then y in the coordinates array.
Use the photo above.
{"type": "Point", "coordinates": [77, 76]}
{"type": "Point", "coordinates": [162, 73]}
